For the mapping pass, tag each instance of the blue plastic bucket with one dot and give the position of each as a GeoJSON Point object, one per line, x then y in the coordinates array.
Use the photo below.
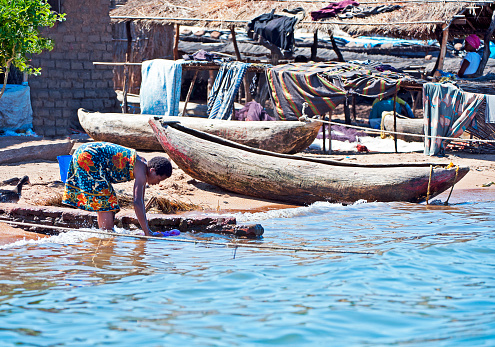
{"type": "Point", "coordinates": [63, 164]}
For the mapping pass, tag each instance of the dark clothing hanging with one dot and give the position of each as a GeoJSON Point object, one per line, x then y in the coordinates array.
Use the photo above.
{"type": "Point", "coordinates": [277, 29]}
{"type": "Point", "coordinates": [333, 9]}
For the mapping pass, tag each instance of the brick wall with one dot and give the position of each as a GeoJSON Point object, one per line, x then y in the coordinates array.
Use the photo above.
{"type": "Point", "coordinates": [68, 79]}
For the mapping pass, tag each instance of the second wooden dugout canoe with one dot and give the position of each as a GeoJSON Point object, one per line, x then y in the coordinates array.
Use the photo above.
{"type": "Point", "coordinates": [133, 130]}
{"type": "Point", "coordinates": [296, 179]}
{"type": "Point", "coordinates": [413, 126]}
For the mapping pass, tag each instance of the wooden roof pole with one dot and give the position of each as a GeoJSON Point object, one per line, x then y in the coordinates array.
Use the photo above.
{"type": "Point", "coordinates": [336, 49]}
{"type": "Point", "coordinates": [176, 42]}
{"type": "Point", "coordinates": [443, 47]}
{"type": "Point", "coordinates": [238, 57]}
{"type": "Point", "coordinates": [125, 107]}
{"type": "Point", "coordinates": [486, 40]}
{"type": "Point", "coordinates": [314, 48]}
{"type": "Point", "coordinates": [234, 43]}
{"type": "Point", "coordinates": [395, 117]}
{"type": "Point", "coordinates": [189, 92]}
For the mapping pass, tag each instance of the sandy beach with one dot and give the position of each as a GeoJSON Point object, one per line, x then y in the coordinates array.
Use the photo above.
{"type": "Point", "coordinates": [46, 185]}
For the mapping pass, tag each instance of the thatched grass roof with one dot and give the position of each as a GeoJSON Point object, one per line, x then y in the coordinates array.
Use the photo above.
{"type": "Point", "coordinates": [415, 19]}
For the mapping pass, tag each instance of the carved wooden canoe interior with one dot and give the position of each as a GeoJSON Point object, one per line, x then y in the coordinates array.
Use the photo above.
{"type": "Point", "coordinates": [133, 130]}
{"type": "Point", "coordinates": [296, 179]}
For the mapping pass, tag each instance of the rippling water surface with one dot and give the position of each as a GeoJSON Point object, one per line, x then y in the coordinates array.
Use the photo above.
{"type": "Point", "coordinates": [402, 274]}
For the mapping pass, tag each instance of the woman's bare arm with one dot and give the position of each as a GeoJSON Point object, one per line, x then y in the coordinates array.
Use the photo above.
{"type": "Point", "coordinates": [140, 170]}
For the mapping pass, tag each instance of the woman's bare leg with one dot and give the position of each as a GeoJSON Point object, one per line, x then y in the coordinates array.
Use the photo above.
{"type": "Point", "coordinates": [106, 220]}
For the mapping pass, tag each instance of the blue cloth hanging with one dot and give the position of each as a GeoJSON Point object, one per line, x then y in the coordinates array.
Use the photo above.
{"type": "Point", "coordinates": [224, 90]}
{"type": "Point", "coordinates": [160, 87]}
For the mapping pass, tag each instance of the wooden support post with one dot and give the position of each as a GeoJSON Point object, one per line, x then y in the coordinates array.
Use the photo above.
{"type": "Point", "coordinates": [395, 119]}
{"type": "Point", "coordinates": [347, 112]}
{"type": "Point", "coordinates": [176, 41]}
{"type": "Point", "coordinates": [330, 132]}
{"type": "Point", "coordinates": [324, 134]}
{"type": "Point", "coordinates": [211, 80]}
{"type": "Point", "coordinates": [416, 100]}
{"type": "Point", "coordinates": [189, 92]}
{"type": "Point", "coordinates": [263, 91]}
{"type": "Point", "coordinates": [314, 46]}
{"type": "Point", "coordinates": [238, 57]}
{"type": "Point", "coordinates": [336, 49]}
{"type": "Point", "coordinates": [354, 107]}
{"type": "Point", "coordinates": [233, 109]}
{"type": "Point", "coordinates": [125, 107]}
{"type": "Point", "coordinates": [486, 41]}
{"type": "Point", "coordinates": [443, 47]}
{"type": "Point", "coordinates": [274, 59]}
{"type": "Point", "coordinates": [234, 43]}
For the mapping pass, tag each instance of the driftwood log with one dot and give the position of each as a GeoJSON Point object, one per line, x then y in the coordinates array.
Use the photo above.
{"type": "Point", "coordinates": [297, 180]}
{"type": "Point", "coordinates": [133, 130]}
{"type": "Point", "coordinates": [35, 150]}
{"type": "Point", "coordinates": [44, 216]}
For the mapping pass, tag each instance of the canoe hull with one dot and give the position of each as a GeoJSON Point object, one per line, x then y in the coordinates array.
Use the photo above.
{"type": "Point", "coordinates": [133, 130]}
{"type": "Point", "coordinates": [298, 181]}
{"type": "Point", "coordinates": [406, 125]}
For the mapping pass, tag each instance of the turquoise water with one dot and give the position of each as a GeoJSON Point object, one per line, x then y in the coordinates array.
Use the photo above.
{"type": "Point", "coordinates": [425, 277]}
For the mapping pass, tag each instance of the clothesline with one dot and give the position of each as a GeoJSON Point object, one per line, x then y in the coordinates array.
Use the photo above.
{"type": "Point", "coordinates": [396, 132]}
{"type": "Point", "coordinates": [194, 65]}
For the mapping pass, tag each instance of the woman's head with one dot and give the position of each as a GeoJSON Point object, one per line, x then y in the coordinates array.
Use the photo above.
{"type": "Point", "coordinates": [159, 168]}
{"type": "Point", "coordinates": [473, 41]}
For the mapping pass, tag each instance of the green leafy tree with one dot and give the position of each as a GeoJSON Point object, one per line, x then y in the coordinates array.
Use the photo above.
{"type": "Point", "coordinates": [20, 37]}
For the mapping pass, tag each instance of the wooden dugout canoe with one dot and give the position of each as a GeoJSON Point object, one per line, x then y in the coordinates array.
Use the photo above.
{"type": "Point", "coordinates": [295, 179]}
{"type": "Point", "coordinates": [133, 130]}
{"type": "Point", "coordinates": [413, 126]}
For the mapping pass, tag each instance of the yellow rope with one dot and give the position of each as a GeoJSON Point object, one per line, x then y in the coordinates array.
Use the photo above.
{"type": "Point", "coordinates": [382, 123]}
{"type": "Point", "coordinates": [452, 188]}
{"type": "Point", "coordinates": [226, 244]}
{"type": "Point", "coordinates": [429, 183]}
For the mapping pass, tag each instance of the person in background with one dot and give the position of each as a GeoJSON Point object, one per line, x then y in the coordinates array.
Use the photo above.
{"type": "Point", "coordinates": [471, 62]}
{"type": "Point", "coordinates": [380, 106]}
{"type": "Point", "coordinates": [93, 169]}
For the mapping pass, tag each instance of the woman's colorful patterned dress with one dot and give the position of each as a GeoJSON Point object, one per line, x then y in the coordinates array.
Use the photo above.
{"type": "Point", "coordinates": [93, 169]}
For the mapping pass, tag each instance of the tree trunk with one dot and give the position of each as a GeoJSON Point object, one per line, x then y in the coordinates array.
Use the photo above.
{"type": "Point", "coordinates": [6, 76]}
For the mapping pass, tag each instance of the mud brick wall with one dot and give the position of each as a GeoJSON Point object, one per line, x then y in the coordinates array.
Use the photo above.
{"type": "Point", "coordinates": [68, 79]}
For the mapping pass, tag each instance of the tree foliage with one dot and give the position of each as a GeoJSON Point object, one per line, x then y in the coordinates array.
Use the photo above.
{"type": "Point", "coordinates": [20, 36]}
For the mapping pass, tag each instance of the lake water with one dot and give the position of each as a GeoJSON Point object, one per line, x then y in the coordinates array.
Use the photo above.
{"type": "Point", "coordinates": [404, 274]}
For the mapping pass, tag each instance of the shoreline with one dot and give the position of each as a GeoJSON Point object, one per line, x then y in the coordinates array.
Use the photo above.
{"type": "Point", "coordinates": [477, 186]}
{"type": "Point", "coordinates": [45, 180]}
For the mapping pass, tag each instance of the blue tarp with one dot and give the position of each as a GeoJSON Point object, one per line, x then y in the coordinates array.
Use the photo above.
{"type": "Point", "coordinates": [373, 41]}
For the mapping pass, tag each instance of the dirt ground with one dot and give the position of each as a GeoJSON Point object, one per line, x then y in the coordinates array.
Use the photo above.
{"type": "Point", "coordinates": [46, 187]}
